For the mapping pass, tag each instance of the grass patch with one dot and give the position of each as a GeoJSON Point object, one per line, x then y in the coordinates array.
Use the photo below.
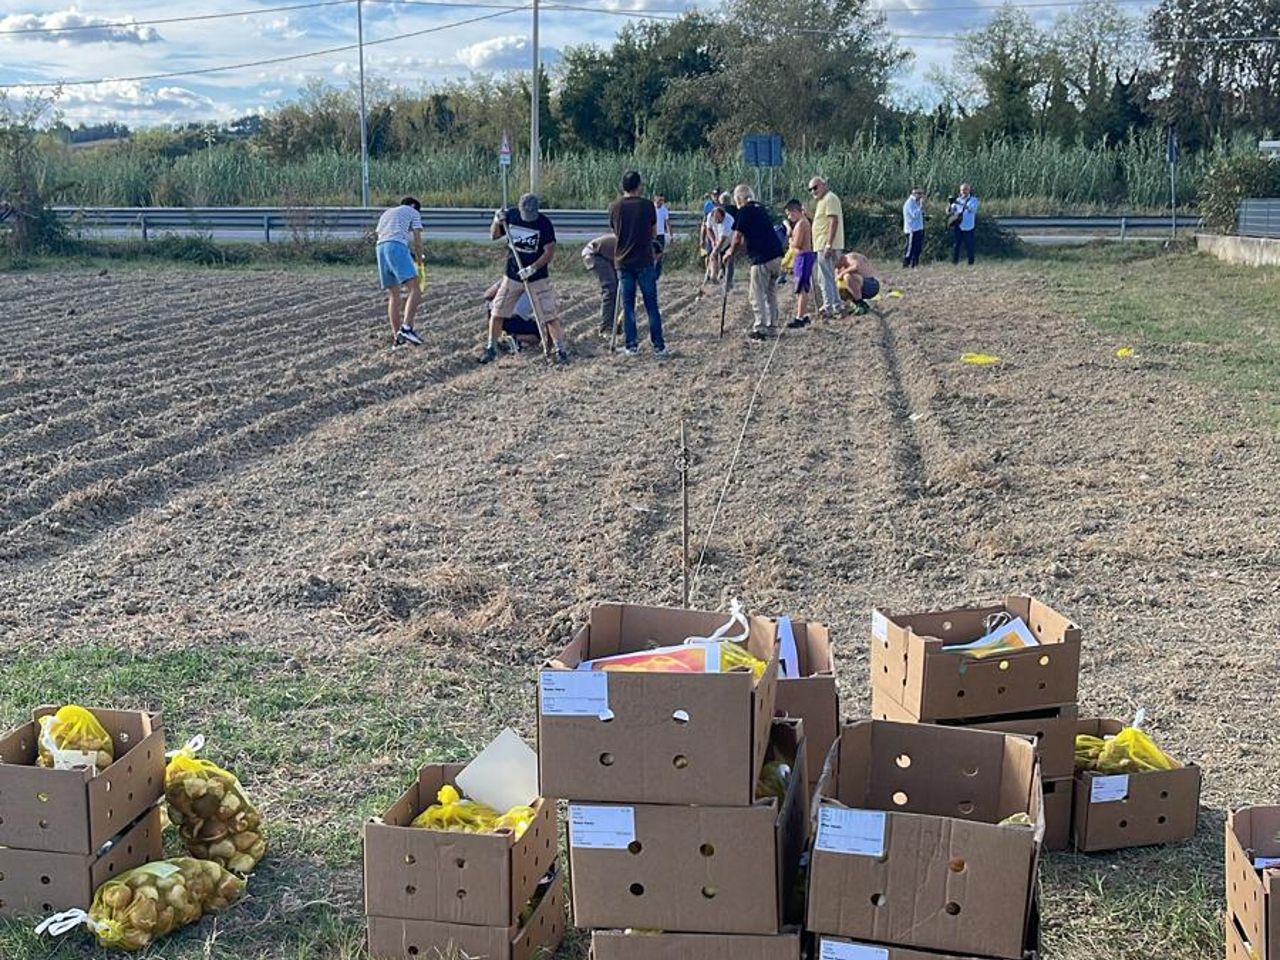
{"type": "Point", "coordinates": [1217, 323]}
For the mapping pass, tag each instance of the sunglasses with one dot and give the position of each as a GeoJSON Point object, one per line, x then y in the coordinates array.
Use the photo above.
{"type": "Point", "coordinates": [813, 188]}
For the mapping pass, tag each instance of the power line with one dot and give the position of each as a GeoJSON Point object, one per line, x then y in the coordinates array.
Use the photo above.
{"type": "Point", "coordinates": [263, 63]}
{"type": "Point", "coordinates": [109, 24]}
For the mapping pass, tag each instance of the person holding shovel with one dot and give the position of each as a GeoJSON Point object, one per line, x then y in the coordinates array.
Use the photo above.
{"type": "Point", "coordinates": [531, 246]}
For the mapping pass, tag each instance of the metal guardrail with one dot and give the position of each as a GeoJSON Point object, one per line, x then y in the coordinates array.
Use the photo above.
{"type": "Point", "coordinates": [1259, 218]}
{"type": "Point", "coordinates": [270, 222]}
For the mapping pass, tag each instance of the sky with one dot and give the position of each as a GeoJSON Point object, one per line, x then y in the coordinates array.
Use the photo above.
{"type": "Point", "coordinates": [117, 46]}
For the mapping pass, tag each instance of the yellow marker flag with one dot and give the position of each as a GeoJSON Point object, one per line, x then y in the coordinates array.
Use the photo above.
{"type": "Point", "coordinates": [1124, 352]}
{"type": "Point", "coordinates": [895, 293]}
{"type": "Point", "coordinates": [979, 359]}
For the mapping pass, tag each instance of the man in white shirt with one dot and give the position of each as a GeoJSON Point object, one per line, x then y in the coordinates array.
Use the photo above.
{"type": "Point", "coordinates": [962, 218]}
{"type": "Point", "coordinates": [720, 229]}
{"type": "Point", "coordinates": [664, 232]}
{"type": "Point", "coordinates": [913, 227]}
{"type": "Point", "coordinates": [398, 267]}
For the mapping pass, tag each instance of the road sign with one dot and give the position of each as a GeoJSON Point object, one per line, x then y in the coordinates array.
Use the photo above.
{"type": "Point", "coordinates": [762, 150]}
{"type": "Point", "coordinates": [504, 152]}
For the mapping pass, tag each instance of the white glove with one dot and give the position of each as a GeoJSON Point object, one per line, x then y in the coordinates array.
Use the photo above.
{"type": "Point", "coordinates": [527, 272]}
{"type": "Point", "coordinates": [588, 262]}
{"type": "Point", "coordinates": [500, 215]}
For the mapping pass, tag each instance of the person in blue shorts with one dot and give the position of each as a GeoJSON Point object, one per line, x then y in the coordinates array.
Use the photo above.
{"type": "Point", "coordinates": [398, 227]}
{"type": "Point", "coordinates": [857, 281]}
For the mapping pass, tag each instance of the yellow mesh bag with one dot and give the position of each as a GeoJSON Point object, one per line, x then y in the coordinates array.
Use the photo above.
{"type": "Point", "coordinates": [73, 738]}
{"type": "Point", "coordinates": [453, 813]}
{"type": "Point", "coordinates": [213, 815]}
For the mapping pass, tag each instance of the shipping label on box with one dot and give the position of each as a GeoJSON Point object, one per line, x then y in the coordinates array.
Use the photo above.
{"type": "Point", "coordinates": [927, 675]}
{"type": "Point", "coordinates": [1116, 811]}
{"type": "Point", "coordinates": [76, 811]}
{"type": "Point", "coordinates": [691, 869]}
{"type": "Point", "coordinates": [641, 737]}
{"type": "Point", "coordinates": [477, 879]}
{"type": "Point", "coordinates": [918, 878]}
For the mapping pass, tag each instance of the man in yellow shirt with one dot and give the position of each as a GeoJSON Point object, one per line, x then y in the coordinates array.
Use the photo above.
{"type": "Point", "coordinates": [828, 241]}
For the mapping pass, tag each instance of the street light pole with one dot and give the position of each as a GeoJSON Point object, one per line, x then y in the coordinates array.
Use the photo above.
{"type": "Point", "coordinates": [364, 118]}
{"type": "Point", "coordinates": [535, 142]}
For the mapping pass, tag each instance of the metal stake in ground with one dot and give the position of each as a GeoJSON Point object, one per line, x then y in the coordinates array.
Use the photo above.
{"type": "Point", "coordinates": [537, 314]}
{"type": "Point", "coordinates": [724, 301]}
{"type": "Point", "coordinates": [617, 315]}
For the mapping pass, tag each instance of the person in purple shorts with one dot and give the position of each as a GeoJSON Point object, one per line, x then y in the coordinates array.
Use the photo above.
{"type": "Point", "coordinates": [805, 258]}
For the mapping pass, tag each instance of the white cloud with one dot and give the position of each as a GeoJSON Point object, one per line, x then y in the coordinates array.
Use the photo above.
{"type": "Point", "coordinates": [281, 28]}
{"type": "Point", "coordinates": [136, 103]}
{"type": "Point", "coordinates": [512, 52]}
{"type": "Point", "coordinates": [90, 29]}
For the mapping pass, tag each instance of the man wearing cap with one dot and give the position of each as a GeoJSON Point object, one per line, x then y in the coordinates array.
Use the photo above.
{"type": "Point", "coordinates": [531, 247]}
{"type": "Point", "coordinates": [597, 256]}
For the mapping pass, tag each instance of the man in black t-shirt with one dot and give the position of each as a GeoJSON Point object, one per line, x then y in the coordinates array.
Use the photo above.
{"type": "Point", "coordinates": [530, 249]}
{"type": "Point", "coordinates": [753, 232]}
{"type": "Point", "coordinates": [635, 220]}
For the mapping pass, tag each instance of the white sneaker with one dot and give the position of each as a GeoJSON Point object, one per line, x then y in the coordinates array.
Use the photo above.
{"type": "Point", "coordinates": [409, 335]}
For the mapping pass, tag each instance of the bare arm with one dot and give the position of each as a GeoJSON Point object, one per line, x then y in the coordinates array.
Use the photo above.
{"type": "Point", "coordinates": [497, 229]}
{"type": "Point", "coordinates": [548, 254]}
{"type": "Point", "coordinates": [831, 231]}
{"type": "Point", "coordinates": [417, 247]}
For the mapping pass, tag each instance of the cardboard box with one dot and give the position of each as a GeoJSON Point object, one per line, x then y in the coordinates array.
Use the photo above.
{"type": "Point", "coordinates": [1253, 896]}
{"type": "Point", "coordinates": [907, 656]}
{"type": "Point", "coordinates": [623, 945]}
{"type": "Point", "coordinates": [812, 697]}
{"type": "Point", "coordinates": [840, 948]}
{"type": "Point", "coordinates": [686, 869]}
{"type": "Point", "coordinates": [675, 738]}
{"type": "Point", "coordinates": [39, 883]}
{"type": "Point", "coordinates": [908, 848]}
{"type": "Point", "coordinates": [1053, 730]}
{"type": "Point", "coordinates": [538, 939]}
{"type": "Point", "coordinates": [1135, 809]}
{"type": "Point", "coordinates": [457, 878]}
{"type": "Point", "coordinates": [76, 811]}
{"type": "Point", "coordinates": [1057, 812]}
{"type": "Point", "coordinates": [1238, 947]}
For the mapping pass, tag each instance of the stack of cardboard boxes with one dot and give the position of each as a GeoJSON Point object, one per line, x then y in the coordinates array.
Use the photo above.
{"type": "Point", "coordinates": [670, 852]}
{"type": "Point", "coordinates": [1031, 692]}
{"type": "Point", "coordinates": [926, 845]}
{"type": "Point", "coordinates": [432, 893]}
{"type": "Point", "coordinates": [65, 832]}
{"type": "Point", "coordinates": [1253, 883]}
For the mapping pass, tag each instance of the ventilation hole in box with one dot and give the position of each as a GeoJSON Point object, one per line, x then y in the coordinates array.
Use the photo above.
{"type": "Point", "coordinates": [886, 670]}
{"type": "Point", "coordinates": [637, 889]}
{"type": "Point", "coordinates": [131, 845]}
{"type": "Point", "coordinates": [952, 908]}
{"type": "Point", "coordinates": [965, 807]}
{"type": "Point", "coordinates": [957, 866]}
{"type": "Point", "coordinates": [1123, 824]}
{"type": "Point", "coordinates": [460, 863]}
{"type": "Point", "coordinates": [124, 737]}
{"type": "Point", "coordinates": [635, 846]}
{"type": "Point", "coordinates": [111, 868]}
{"type": "Point", "coordinates": [606, 759]}
{"type": "Point", "coordinates": [710, 892]}
{"type": "Point", "coordinates": [108, 787]}
{"type": "Point", "coordinates": [548, 843]}
{"type": "Point", "coordinates": [2, 904]}
{"type": "Point", "coordinates": [904, 760]}
{"type": "Point", "coordinates": [707, 850]}
{"type": "Point", "coordinates": [462, 894]}
{"type": "Point", "coordinates": [413, 951]}
{"type": "Point", "coordinates": [1004, 664]}
{"type": "Point", "coordinates": [1039, 735]}
{"type": "Point", "coordinates": [131, 796]}
{"type": "Point", "coordinates": [1000, 690]}
{"type": "Point", "coordinates": [1, 878]}
{"type": "Point", "coordinates": [946, 626]}
{"type": "Point", "coordinates": [680, 761]}
{"type": "Point", "coordinates": [900, 798]}
{"type": "Point", "coordinates": [410, 859]}
{"type": "Point", "coordinates": [411, 889]}
{"type": "Point", "coordinates": [971, 771]}
{"type": "Point", "coordinates": [681, 716]}
{"type": "Point", "coordinates": [959, 693]}
{"type": "Point", "coordinates": [42, 797]}
{"type": "Point", "coordinates": [111, 813]}
{"type": "Point", "coordinates": [1044, 660]}
{"type": "Point", "coordinates": [1162, 819]}
{"type": "Point", "coordinates": [1164, 794]}
{"type": "Point", "coordinates": [877, 899]}
{"type": "Point", "coordinates": [47, 907]}
{"type": "Point", "coordinates": [129, 770]}
{"type": "Point", "coordinates": [44, 824]}
{"type": "Point", "coordinates": [46, 881]}
{"type": "Point", "coordinates": [149, 780]}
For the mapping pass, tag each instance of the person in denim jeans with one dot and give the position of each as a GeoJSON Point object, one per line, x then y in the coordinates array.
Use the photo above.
{"type": "Point", "coordinates": [634, 220]}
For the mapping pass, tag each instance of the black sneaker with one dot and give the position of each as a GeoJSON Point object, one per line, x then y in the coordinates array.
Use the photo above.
{"type": "Point", "coordinates": [409, 335]}
{"type": "Point", "coordinates": [757, 335]}
{"type": "Point", "coordinates": [798, 322]}
{"type": "Point", "coordinates": [489, 355]}
{"type": "Point", "coordinates": [562, 356]}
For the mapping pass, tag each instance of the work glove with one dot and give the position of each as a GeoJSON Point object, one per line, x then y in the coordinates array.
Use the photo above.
{"type": "Point", "coordinates": [500, 215]}
{"type": "Point", "coordinates": [527, 272]}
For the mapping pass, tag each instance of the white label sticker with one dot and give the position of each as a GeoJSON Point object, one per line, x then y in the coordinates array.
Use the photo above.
{"type": "Point", "coordinates": [1109, 789]}
{"type": "Point", "coordinates": [74, 759]}
{"type": "Point", "coordinates": [602, 828]}
{"type": "Point", "coordinates": [835, 950]}
{"type": "Point", "coordinates": [880, 627]}
{"type": "Point", "coordinates": [573, 693]}
{"type": "Point", "coordinates": [859, 832]}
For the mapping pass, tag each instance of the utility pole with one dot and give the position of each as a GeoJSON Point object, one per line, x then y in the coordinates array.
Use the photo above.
{"type": "Point", "coordinates": [535, 107]}
{"type": "Point", "coordinates": [364, 118]}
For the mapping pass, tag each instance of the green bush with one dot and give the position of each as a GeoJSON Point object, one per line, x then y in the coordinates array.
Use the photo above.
{"type": "Point", "coordinates": [1231, 180]}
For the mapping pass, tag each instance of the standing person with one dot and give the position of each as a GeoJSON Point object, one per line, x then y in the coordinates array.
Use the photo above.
{"type": "Point", "coordinates": [530, 252]}
{"type": "Point", "coordinates": [398, 267]}
{"type": "Point", "coordinates": [803, 260]}
{"type": "Point", "coordinates": [962, 218]}
{"type": "Point", "coordinates": [828, 241]}
{"type": "Point", "coordinates": [913, 227]}
{"type": "Point", "coordinates": [598, 256]}
{"type": "Point", "coordinates": [753, 232]}
{"type": "Point", "coordinates": [635, 222]}
{"type": "Point", "coordinates": [665, 233]}
{"type": "Point", "coordinates": [719, 226]}
{"type": "Point", "coordinates": [857, 276]}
